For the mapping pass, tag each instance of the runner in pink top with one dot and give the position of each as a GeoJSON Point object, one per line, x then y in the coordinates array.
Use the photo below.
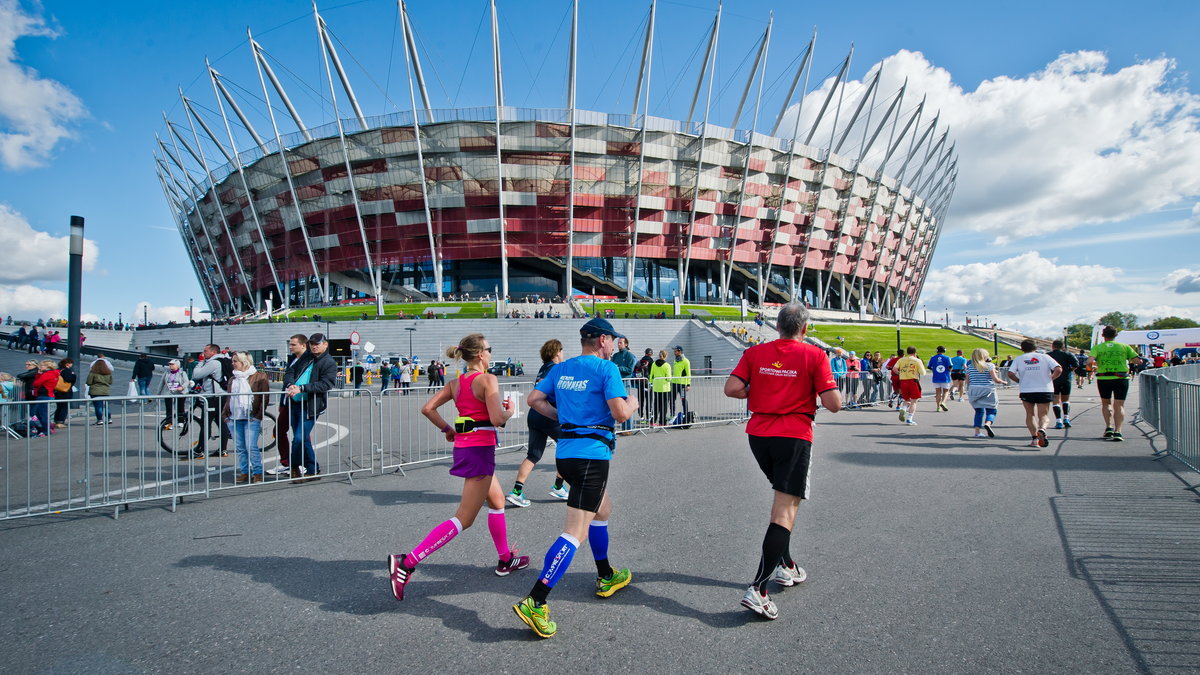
{"type": "Point", "coordinates": [476, 395]}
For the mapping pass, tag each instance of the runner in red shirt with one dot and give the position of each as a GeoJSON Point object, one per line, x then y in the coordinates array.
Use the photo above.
{"type": "Point", "coordinates": [894, 376]}
{"type": "Point", "coordinates": [782, 380]}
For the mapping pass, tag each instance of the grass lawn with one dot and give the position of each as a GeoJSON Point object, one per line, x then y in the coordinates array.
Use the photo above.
{"type": "Point", "coordinates": [647, 309]}
{"type": "Point", "coordinates": [465, 310]}
{"type": "Point", "coordinates": [883, 339]}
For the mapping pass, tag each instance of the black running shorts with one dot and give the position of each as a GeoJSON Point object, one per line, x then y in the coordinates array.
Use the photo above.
{"type": "Point", "coordinates": [958, 375]}
{"type": "Point", "coordinates": [1037, 397]}
{"type": "Point", "coordinates": [588, 478]}
{"type": "Point", "coordinates": [785, 462]}
{"type": "Point", "coordinates": [1062, 386]}
{"type": "Point", "coordinates": [1110, 389]}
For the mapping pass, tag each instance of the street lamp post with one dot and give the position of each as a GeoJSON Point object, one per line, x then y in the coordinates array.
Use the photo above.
{"type": "Point", "coordinates": [410, 330]}
{"type": "Point", "coordinates": [898, 347]}
{"type": "Point", "coordinates": [210, 324]}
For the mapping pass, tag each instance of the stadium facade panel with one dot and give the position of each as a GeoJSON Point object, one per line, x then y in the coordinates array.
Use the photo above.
{"type": "Point", "coordinates": [551, 202]}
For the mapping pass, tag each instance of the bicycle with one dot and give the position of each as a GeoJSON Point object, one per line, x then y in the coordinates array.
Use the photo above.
{"type": "Point", "coordinates": [177, 442]}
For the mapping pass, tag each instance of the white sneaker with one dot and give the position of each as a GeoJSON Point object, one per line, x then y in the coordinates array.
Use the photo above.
{"type": "Point", "coordinates": [785, 576]}
{"type": "Point", "coordinates": [760, 604]}
{"type": "Point", "coordinates": [910, 423]}
{"type": "Point", "coordinates": [275, 471]}
{"type": "Point", "coordinates": [560, 493]}
{"type": "Point", "coordinates": [517, 499]}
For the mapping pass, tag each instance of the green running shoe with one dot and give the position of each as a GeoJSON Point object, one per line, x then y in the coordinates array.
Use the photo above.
{"type": "Point", "coordinates": [619, 579]}
{"type": "Point", "coordinates": [537, 618]}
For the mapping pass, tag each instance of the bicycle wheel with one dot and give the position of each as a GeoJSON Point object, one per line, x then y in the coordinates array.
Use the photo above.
{"type": "Point", "coordinates": [267, 431]}
{"type": "Point", "coordinates": [174, 441]}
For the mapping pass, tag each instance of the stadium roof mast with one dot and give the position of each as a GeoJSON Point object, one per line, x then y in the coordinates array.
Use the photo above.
{"type": "Point", "coordinates": [568, 276]}
{"type": "Point", "coordinates": [262, 236]}
{"type": "Point", "coordinates": [498, 88]}
{"type": "Point", "coordinates": [760, 59]}
{"type": "Point", "coordinates": [199, 190]}
{"type": "Point", "coordinates": [890, 211]}
{"type": "Point", "coordinates": [643, 75]}
{"type": "Point", "coordinates": [410, 54]}
{"type": "Point", "coordinates": [261, 64]}
{"type": "Point", "coordinates": [804, 68]}
{"type": "Point", "coordinates": [842, 215]}
{"type": "Point", "coordinates": [701, 141]}
{"type": "Point", "coordinates": [835, 88]}
{"type": "Point", "coordinates": [206, 285]}
{"type": "Point", "coordinates": [179, 188]}
{"type": "Point", "coordinates": [328, 53]}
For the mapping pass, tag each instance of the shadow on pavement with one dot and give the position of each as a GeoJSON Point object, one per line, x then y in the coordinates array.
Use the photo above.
{"type": "Point", "coordinates": [992, 462]}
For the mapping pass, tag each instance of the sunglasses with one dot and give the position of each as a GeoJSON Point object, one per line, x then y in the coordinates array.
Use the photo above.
{"type": "Point", "coordinates": [487, 349]}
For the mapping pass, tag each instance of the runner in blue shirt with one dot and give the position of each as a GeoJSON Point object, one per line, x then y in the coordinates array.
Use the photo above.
{"type": "Point", "coordinates": [587, 397]}
{"type": "Point", "coordinates": [940, 366]}
{"type": "Point", "coordinates": [958, 376]}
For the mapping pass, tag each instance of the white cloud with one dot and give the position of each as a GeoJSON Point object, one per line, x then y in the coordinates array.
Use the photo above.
{"type": "Point", "coordinates": [1027, 283]}
{"type": "Point", "coordinates": [30, 302]}
{"type": "Point", "coordinates": [35, 113]}
{"type": "Point", "coordinates": [1068, 145]}
{"type": "Point", "coordinates": [1183, 281]}
{"type": "Point", "coordinates": [31, 255]}
{"type": "Point", "coordinates": [165, 314]}
{"type": "Point", "coordinates": [1196, 213]}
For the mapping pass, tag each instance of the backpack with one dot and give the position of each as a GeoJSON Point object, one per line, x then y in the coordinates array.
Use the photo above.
{"type": "Point", "coordinates": [225, 381]}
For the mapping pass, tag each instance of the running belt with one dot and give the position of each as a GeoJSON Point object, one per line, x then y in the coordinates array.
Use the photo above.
{"type": "Point", "coordinates": [465, 425]}
{"type": "Point", "coordinates": [571, 431]}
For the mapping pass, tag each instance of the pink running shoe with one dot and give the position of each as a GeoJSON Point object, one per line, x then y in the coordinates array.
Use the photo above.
{"type": "Point", "coordinates": [400, 575]}
{"type": "Point", "coordinates": [516, 562]}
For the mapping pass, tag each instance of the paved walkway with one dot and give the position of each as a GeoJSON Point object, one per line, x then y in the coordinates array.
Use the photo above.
{"type": "Point", "coordinates": [926, 552]}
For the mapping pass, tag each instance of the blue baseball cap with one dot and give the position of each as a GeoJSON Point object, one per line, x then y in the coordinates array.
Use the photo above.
{"type": "Point", "coordinates": [597, 327]}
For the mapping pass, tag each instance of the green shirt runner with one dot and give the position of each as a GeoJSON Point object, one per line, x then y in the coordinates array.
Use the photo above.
{"type": "Point", "coordinates": [1112, 360]}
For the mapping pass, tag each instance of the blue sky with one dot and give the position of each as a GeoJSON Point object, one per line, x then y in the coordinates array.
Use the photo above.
{"type": "Point", "coordinates": [1077, 125]}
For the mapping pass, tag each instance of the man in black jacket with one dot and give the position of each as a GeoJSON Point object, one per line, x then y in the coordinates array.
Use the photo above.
{"type": "Point", "coordinates": [143, 372]}
{"type": "Point", "coordinates": [307, 381]}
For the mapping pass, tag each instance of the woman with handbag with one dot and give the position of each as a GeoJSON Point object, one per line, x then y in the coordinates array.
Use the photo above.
{"type": "Point", "coordinates": [64, 391]}
{"type": "Point", "coordinates": [244, 414]}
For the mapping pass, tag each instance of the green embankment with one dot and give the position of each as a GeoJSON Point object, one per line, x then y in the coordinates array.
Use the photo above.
{"type": "Point", "coordinates": [466, 310]}
{"type": "Point", "coordinates": [883, 339]}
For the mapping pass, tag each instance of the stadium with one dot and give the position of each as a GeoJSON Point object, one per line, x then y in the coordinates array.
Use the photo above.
{"type": "Point", "coordinates": [839, 204]}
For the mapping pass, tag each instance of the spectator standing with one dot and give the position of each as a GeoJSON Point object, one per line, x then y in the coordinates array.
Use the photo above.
{"type": "Point", "coordinates": [143, 372]}
{"type": "Point", "coordinates": [297, 347]}
{"type": "Point", "coordinates": [8, 393]}
{"type": "Point", "coordinates": [43, 390]}
{"type": "Point", "coordinates": [642, 371]}
{"type": "Point", "coordinates": [64, 391]}
{"type": "Point", "coordinates": [99, 383]}
{"type": "Point", "coordinates": [853, 370]}
{"type": "Point", "coordinates": [26, 378]}
{"type": "Point", "coordinates": [175, 384]}
{"type": "Point", "coordinates": [385, 375]}
{"type": "Point", "coordinates": [660, 386]}
{"type": "Point", "coordinates": [837, 366]}
{"type": "Point", "coordinates": [213, 375]}
{"type": "Point", "coordinates": [308, 382]}
{"type": "Point", "coordinates": [356, 374]}
{"type": "Point", "coordinates": [406, 371]}
{"type": "Point", "coordinates": [681, 381]}
{"type": "Point", "coordinates": [626, 362]}
{"type": "Point", "coordinates": [244, 412]}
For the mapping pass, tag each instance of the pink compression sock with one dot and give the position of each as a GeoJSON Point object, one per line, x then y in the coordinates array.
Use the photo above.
{"type": "Point", "coordinates": [499, 530]}
{"type": "Point", "coordinates": [437, 538]}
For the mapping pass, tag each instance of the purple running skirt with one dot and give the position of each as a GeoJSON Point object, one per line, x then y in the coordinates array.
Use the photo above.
{"type": "Point", "coordinates": [474, 460]}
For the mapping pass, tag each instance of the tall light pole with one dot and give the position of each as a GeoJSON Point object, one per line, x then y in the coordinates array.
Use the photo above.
{"type": "Point", "coordinates": [410, 330]}
{"type": "Point", "coordinates": [210, 324]}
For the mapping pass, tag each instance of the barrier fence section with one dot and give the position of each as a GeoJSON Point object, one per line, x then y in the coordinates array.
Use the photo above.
{"type": "Point", "coordinates": [113, 451]}
{"type": "Point", "coordinates": [117, 450]}
{"type": "Point", "coordinates": [1169, 400]}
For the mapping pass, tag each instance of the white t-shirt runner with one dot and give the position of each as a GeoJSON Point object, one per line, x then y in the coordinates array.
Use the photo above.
{"type": "Point", "coordinates": [1036, 372]}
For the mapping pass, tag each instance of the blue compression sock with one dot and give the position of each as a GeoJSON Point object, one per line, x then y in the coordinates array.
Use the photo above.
{"type": "Point", "coordinates": [598, 539]}
{"type": "Point", "coordinates": [558, 559]}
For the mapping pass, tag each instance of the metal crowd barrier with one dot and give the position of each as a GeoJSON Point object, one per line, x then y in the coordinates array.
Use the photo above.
{"type": "Point", "coordinates": [143, 454]}
{"type": "Point", "coordinates": [1169, 401]}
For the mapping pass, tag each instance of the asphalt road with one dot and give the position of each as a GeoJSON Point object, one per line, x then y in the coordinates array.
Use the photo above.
{"type": "Point", "coordinates": [926, 552]}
